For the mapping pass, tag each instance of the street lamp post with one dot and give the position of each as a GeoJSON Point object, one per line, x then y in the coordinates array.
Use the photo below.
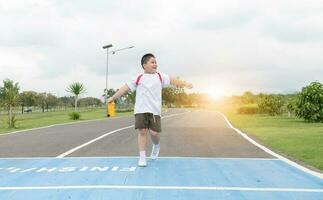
{"type": "Point", "coordinates": [106, 77]}
{"type": "Point", "coordinates": [106, 74]}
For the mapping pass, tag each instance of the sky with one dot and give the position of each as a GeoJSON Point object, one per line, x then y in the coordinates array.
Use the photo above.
{"type": "Point", "coordinates": [223, 47]}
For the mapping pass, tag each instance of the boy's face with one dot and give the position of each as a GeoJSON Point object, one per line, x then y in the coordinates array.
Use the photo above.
{"type": "Point", "coordinates": [150, 66]}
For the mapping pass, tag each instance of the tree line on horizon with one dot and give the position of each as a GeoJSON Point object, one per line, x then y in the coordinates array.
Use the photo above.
{"type": "Point", "coordinates": [11, 99]}
{"type": "Point", "coordinates": [307, 104]}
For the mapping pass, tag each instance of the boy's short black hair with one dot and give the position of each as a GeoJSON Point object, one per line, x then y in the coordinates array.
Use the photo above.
{"type": "Point", "coordinates": [145, 58]}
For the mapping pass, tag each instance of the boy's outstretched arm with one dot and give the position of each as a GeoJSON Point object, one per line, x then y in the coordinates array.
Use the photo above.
{"type": "Point", "coordinates": [124, 89]}
{"type": "Point", "coordinates": [180, 83]}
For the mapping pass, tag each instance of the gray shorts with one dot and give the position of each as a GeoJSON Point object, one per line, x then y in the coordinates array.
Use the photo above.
{"type": "Point", "coordinates": [148, 120]}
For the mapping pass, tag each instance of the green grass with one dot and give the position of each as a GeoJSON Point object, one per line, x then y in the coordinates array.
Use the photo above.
{"type": "Point", "coordinates": [291, 136]}
{"type": "Point", "coordinates": [33, 120]}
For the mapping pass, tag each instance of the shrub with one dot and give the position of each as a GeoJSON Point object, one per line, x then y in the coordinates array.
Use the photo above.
{"type": "Point", "coordinates": [247, 110]}
{"type": "Point", "coordinates": [74, 115]}
{"type": "Point", "coordinates": [271, 104]}
{"type": "Point", "coordinates": [309, 102]}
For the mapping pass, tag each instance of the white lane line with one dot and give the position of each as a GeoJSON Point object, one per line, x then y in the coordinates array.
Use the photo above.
{"type": "Point", "coordinates": [314, 173]}
{"type": "Point", "coordinates": [106, 134]}
{"type": "Point", "coordinates": [130, 157]}
{"type": "Point", "coordinates": [255, 189]}
{"type": "Point", "coordinates": [91, 141]}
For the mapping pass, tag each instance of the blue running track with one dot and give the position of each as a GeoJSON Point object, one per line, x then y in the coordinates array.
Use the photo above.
{"type": "Point", "coordinates": [165, 178]}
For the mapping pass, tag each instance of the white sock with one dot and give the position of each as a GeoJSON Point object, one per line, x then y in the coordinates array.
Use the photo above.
{"type": "Point", "coordinates": [156, 145]}
{"type": "Point", "coordinates": [142, 154]}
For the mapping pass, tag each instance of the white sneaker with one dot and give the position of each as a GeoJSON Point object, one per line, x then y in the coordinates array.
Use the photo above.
{"type": "Point", "coordinates": [142, 162]}
{"type": "Point", "coordinates": [155, 152]}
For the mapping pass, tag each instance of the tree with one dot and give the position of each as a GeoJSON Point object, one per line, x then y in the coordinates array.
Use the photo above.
{"type": "Point", "coordinates": [109, 93]}
{"type": "Point", "coordinates": [76, 89]}
{"type": "Point", "coordinates": [51, 100]}
{"type": "Point", "coordinates": [67, 101]}
{"type": "Point", "coordinates": [90, 101]}
{"type": "Point", "coordinates": [131, 97]}
{"type": "Point", "coordinates": [41, 100]}
{"type": "Point", "coordinates": [9, 94]}
{"type": "Point", "coordinates": [271, 104]}
{"type": "Point", "coordinates": [27, 98]}
{"type": "Point", "coordinates": [168, 95]}
{"type": "Point", "coordinates": [309, 102]}
{"type": "Point", "coordinates": [193, 98]}
{"type": "Point", "coordinates": [46, 100]}
{"type": "Point", "coordinates": [181, 98]}
{"type": "Point", "coordinates": [248, 98]}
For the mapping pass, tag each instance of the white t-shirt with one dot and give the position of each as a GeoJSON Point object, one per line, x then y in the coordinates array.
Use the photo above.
{"type": "Point", "coordinates": [149, 92]}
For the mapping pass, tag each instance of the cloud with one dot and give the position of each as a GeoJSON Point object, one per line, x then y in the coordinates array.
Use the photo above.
{"type": "Point", "coordinates": [236, 44]}
{"type": "Point", "coordinates": [308, 29]}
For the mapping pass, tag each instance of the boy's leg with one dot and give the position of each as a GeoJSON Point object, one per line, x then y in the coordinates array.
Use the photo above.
{"type": "Point", "coordinates": [142, 140]}
{"type": "Point", "coordinates": [155, 128]}
{"type": "Point", "coordinates": [154, 136]}
{"type": "Point", "coordinates": [156, 147]}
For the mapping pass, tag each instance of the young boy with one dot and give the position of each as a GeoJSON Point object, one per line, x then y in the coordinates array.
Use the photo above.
{"type": "Point", "coordinates": [148, 103]}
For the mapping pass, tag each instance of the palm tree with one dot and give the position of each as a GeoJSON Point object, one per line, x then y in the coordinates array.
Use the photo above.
{"type": "Point", "coordinates": [9, 95]}
{"type": "Point", "coordinates": [77, 89]}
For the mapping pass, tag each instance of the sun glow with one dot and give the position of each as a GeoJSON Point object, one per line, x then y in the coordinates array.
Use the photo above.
{"type": "Point", "coordinates": [217, 92]}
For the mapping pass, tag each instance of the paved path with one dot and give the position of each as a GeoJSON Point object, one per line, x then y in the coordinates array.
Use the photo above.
{"type": "Point", "coordinates": [201, 158]}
